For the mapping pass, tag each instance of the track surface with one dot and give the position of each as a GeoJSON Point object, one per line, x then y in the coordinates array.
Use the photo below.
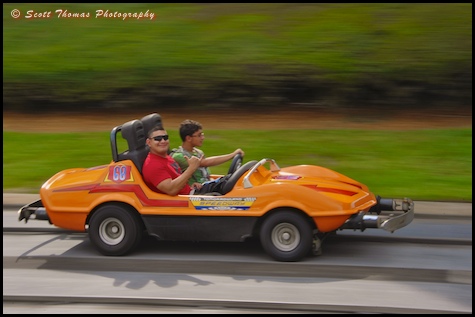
{"type": "Point", "coordinates": [423, 268]}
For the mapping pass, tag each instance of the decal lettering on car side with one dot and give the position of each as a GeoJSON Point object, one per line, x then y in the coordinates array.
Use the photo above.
{"type": "Point", "coordinates": [220, 203]}
{"type": "Point", "coordinates": [287, 177]}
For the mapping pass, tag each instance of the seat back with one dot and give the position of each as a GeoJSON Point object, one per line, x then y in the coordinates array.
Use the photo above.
{"type": "Point", "coordinates": [133, 132]}
{"type": "Point", "coordinates": [150, 121]}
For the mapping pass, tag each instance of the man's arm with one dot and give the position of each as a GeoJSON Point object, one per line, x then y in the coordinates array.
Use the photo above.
{"type": "Point", "coordinates": [174, 186]}
{"type": "Point", "coordinates": [220, 159]}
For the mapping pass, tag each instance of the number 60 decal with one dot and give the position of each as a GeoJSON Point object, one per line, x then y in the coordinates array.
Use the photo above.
{"type": "Point", "coordinates": [119, 173]}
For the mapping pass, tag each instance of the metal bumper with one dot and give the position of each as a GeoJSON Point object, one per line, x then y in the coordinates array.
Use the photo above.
{"type": "Point", "coordinates": [402, 215]}
{"type": "Point", "coordinates": [35, 209]}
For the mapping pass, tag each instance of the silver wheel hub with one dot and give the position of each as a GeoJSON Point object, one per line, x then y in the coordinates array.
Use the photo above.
{"type": "Point", "coordinates": [112, 231]}
{"type": "Point", "coordinates": [285, 236]}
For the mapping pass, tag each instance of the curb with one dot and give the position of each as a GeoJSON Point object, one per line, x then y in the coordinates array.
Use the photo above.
{"type": "Point", "coordinates": [422, 208]}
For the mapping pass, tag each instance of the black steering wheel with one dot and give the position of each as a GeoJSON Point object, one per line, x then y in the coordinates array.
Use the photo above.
{"type": "Point", "coordinates": [235, 164]}
{"type": "Point", "coordinates": [234, 177]}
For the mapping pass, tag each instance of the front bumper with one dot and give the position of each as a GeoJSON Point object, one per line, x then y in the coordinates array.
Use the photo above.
{"type": "Point", "coordinates": [402, 214]}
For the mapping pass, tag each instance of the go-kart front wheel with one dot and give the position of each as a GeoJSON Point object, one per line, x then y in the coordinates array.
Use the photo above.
{"type": "Point", "coordinates": [286, 236]}
{"type": "Point", "coordinates": [114, 230]}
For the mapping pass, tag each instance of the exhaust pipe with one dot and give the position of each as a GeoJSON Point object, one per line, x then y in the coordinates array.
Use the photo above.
{"type": "Point", "coordinates": [388, 204]}
{"type": "Point", "coordinates": [40, 214]}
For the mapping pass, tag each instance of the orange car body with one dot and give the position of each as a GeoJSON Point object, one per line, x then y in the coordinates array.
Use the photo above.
{"type": "Point", "coordinates": [329, 198]}
{"type": "Point", "coordinates": [289, 209]}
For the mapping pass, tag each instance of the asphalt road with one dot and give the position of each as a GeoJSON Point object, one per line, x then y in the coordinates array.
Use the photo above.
{"type": "Point", "coordinates": [422, 268]}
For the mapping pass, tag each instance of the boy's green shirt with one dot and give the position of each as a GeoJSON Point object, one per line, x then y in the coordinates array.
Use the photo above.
{"type": "Point", "coordinates": [202, 174]}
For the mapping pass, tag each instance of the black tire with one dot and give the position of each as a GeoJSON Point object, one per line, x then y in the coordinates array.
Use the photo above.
{"type": "Point", "coordinates": [286, 236]}
{"type": "Point", "coordinates": [114, 230]}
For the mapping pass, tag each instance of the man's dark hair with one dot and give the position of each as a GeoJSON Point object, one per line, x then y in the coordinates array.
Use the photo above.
{"type": "Point", "coordinates": [158, 127]}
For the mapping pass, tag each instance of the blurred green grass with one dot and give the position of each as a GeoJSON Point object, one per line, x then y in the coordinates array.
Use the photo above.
{"type": "Point", "coordinates": [205, 47]}
{"type": "Point", "coordinates": [420, 164]}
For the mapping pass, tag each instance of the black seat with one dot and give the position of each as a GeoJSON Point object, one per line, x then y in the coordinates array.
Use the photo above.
{"type": "Point", "coordinates": [133, 132]}
{"type": "Point", "coordinates": [150, 121]}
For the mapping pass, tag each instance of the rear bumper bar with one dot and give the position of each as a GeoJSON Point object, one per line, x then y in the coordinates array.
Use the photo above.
{"type": "Point", "coordinates": [35, 209]}
{"type": "Point", "coordinates": [402, 214]}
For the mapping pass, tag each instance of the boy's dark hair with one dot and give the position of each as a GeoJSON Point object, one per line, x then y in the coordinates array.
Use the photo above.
{"type": "Point", "coordinates": [189, 127]}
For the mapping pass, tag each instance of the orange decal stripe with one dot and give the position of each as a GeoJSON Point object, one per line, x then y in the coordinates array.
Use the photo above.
{"type": "Point", "coordinates": [136, 189]}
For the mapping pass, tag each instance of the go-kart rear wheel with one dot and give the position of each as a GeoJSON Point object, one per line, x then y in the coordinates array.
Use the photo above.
{"type": "Point", "coordinates": [114, 230]}
{"type": "Point", "coordinates": [286, 236]}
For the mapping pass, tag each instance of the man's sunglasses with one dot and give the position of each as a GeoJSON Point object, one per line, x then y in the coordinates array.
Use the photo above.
{"type": "Point", "coordinates": [158, 138]}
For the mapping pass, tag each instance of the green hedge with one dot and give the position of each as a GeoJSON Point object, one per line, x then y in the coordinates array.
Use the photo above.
{"type": "Point", "coordinates": [247, 55]}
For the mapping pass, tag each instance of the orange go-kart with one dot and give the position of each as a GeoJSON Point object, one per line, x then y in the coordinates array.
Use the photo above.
{"type": "Point", "coordinates": [290, 210]}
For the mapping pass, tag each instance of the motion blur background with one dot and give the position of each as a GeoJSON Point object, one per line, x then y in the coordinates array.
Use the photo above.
{"type": "Point", "coordinates": [246, 56]}
{"type": "Point", "coordinates": [366, 62]}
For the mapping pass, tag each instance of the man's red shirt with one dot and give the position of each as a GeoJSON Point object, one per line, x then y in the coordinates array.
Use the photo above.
{"type": "Point", "coordinates": [156, 169]}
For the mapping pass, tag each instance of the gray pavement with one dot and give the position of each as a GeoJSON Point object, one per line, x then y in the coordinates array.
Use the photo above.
{"type": "Point", "coordinates": [402, 284]}
{"type": "Point", "coordinates": [421, 208]}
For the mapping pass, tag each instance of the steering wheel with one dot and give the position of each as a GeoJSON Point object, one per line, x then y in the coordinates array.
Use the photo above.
{"type": "Point", "coordinates": [235, 164]}
{"type": "Point", "coordinates": [234, 177]}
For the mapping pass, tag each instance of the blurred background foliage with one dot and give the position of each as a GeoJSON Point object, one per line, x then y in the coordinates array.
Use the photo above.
{"type": "Point", "coordinates": [359, 60]}
{"type": "Point", "coordinates": [243, 55]}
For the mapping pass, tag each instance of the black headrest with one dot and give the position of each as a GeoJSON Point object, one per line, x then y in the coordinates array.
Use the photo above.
{"type": "Point", "coordinates": [133, 131]}
{"type": "Point", "coordinates": [150, 121]}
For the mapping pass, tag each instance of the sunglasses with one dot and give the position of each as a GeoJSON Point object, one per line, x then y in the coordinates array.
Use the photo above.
{"type": "Point", "coordinates": [158, 138]}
